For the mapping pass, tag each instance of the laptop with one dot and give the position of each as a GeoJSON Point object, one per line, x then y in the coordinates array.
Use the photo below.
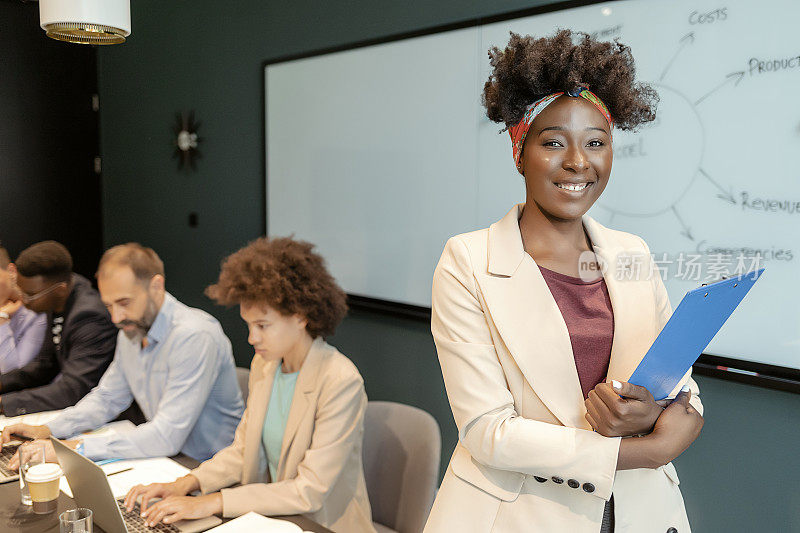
{"type": "Point", "coordinates": [90, 489]}
{"type": "Point", "coordinates": [6, 474]}
{"type": "Point", "coordinates": [8, 451]}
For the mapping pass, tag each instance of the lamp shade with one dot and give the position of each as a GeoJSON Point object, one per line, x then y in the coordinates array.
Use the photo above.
{"type": "Point", "coordinates": [86, 21]}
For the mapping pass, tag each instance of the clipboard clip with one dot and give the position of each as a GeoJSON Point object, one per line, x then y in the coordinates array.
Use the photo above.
{"type": "Point", "coordinates": [722, 278]}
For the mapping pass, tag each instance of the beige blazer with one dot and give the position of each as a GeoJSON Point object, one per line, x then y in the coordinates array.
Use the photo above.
{"type": "Point", "coordinates": [320, 472]}
{"type": "Point", "coordinates": [511, 380]}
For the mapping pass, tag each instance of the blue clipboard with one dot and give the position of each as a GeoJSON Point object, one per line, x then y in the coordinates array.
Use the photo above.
{"type": "Point", "coordinates": [696, 321]}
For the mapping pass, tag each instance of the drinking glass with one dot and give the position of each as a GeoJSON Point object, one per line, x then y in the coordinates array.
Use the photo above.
{"type": "Point", "coordinates": [30, 453]}
{"type": "Point", "coordinates": [76, 521]}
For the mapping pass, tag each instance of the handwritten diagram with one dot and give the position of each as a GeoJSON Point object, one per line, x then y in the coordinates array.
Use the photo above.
{"type": "Point", "coordinates": [657, 146]}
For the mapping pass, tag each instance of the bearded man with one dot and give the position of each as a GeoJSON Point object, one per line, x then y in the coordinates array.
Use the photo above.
{"type": "Point", "coordinates": [175, 361]}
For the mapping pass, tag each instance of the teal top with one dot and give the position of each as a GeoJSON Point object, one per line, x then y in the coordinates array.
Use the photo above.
{"type": "Point", "coordinates": [280, 401]}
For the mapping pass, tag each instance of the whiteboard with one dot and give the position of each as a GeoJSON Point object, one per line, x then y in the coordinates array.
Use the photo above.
{"type": "Point", "coordinates": [379, 154]}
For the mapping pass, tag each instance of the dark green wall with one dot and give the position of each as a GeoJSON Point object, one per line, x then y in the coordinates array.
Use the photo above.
{"type": "Point", "coordinates": [203, 55]}
{"type": "Point", "coordinates": [46, 89]}
{"type": "Point", "coordinates": [207, 56]}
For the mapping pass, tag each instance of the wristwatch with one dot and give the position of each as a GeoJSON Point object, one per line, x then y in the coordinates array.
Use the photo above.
{"type": "Point", "coordinates": [4, 316]}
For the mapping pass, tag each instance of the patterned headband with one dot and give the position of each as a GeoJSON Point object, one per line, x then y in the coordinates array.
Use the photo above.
{"type": "Point", "coordinates": [520, 130]}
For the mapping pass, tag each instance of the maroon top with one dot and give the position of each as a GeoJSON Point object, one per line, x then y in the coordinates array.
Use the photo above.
{"type": "Point", "coordinates": [586, 308]}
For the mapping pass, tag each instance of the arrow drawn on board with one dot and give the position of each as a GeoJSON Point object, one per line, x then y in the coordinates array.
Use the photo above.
{"type": "Point", "coordinates": [732, 76]}
{"type": "Point", "coordinates": [687, 232]}
{"type": "Point", "coordinates": [686, 39]}
{"type": "Point", "coordinates": [725, 195]}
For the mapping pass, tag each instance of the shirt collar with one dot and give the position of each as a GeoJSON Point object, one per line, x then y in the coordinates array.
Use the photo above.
{"type": "Point", "coordinates": [506, 250]}
{"type": "Point", "coordinates": [77, 285]}
{"type": "Point", "coordinates": [158, 331]}
{"type": "Point", "coordinates": [19, 317]}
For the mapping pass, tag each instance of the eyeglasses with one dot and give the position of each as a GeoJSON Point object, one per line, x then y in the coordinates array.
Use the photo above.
{"type": "Point", "coordinates": [26, 299]}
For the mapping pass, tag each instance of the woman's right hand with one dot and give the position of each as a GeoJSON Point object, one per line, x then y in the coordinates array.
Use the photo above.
{"type": "Point", "coordinates": [179, 487]}
{"type": "Point", "coordinates": [10, 307]}
{"type": "Point", "coordinates": [677, 427]}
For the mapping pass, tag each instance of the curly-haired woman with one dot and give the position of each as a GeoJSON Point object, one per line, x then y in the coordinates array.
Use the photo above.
{"type": "Point", "coordinates": [537, 332]}
{"type": "Point", "coordinates": [297, 449]}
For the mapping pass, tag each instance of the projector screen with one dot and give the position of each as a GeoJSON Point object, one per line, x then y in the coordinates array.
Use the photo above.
{"type": "Point", "coordinates": [380, 153]}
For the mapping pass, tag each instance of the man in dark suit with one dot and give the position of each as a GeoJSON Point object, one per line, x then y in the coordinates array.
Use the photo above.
{"type": "Point", "coordinates": [80, 340]}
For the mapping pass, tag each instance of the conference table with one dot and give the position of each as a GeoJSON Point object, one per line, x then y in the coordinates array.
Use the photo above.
{"type": "Point", "coordinates": [15, 517]}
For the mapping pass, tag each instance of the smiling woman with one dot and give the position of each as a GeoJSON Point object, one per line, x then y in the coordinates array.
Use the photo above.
{"type": "Point", "coordinates": [567, 158]}
{"type": "Point", "coordinates": [536, 335]}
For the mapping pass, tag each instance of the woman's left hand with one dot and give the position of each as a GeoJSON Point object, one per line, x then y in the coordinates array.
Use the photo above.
{"type": "Point", "coordinates": [174, 508]}
{"type": "Point", "coordinates": [621, 412]}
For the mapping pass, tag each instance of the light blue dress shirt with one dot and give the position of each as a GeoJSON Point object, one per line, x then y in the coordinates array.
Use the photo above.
{"type": "Point", "coordinates": [21, 339]}
{"type": "Point", "coordinates": [280, 401]}
{"type": "Point", "coordinates": [184, 381]}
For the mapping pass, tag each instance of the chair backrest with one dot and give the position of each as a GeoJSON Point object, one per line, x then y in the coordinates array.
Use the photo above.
{"type": "Point", "coordinates": [402, 446]}
{"type": "Point", "coordinates": [243, 377]}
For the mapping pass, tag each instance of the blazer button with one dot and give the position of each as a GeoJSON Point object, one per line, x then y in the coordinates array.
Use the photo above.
{"type": "Point", "coordinates": [588, 487]}
{"type": "Point", "coordinates": [557, 480]}
{"type": "Point", "coordinates": [672, 530]}
{"type": "Point", "coordinates": [573, 483]}
{"type": "Point", "coordinates": [540, 479]}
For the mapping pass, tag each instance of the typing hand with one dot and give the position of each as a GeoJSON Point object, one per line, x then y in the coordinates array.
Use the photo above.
{"type": "Point", "coordinates": [177, 508]}
{"type": "Point", "coordinates": [621, 412]}
{"type": "Point", "coordinates": [49, 455]}
{"type": "Point", "coordinates": [179, 487]}
{"type": "Point", "coordinates": [24, 430]}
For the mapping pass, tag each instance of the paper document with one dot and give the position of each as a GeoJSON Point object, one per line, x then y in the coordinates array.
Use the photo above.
{"type": "Point", "coordinates": [256, 523]}
{"type": "Point", "coordinates": [33, 419]}
{"type": "Point", "coordinates": [143, 471]}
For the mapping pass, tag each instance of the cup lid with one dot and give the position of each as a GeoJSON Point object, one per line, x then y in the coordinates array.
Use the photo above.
{"type": "Point", "coordinates": [42, 473]}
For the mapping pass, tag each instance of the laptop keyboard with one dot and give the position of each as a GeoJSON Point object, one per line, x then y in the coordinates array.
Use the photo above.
{"type": "Point", "coordinates": [136, 524]}
{"type": "Point", "coordinates": [5, 456]}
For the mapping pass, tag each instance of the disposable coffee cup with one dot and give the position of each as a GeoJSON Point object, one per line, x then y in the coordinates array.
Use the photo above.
{"type": "Point", "coordinates": [43, 483]}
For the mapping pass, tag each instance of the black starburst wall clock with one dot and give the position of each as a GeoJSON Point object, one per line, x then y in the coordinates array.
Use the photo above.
{"type": "Point", "coordinates": [186, 140]}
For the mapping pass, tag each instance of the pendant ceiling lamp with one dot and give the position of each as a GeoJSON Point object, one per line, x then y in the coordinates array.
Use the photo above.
{"type": "Point", "coordinates": [86, 21]}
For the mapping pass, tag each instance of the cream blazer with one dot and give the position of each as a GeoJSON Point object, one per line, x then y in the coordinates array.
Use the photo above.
{"type": "Point", "coordinates": [510, 376]}
{"type": "Point", "coordinates": [320, 472]}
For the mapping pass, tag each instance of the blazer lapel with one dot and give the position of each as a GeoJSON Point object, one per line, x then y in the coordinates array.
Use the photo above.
{"type": "Point", "coordinates": [632, 326]}
{"type": "Point", "coordinates": [257, 403]}
{"type": "Point", "coordinates": [301, 400]}
{"type": "Point", "coordinates": [530, 323]}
